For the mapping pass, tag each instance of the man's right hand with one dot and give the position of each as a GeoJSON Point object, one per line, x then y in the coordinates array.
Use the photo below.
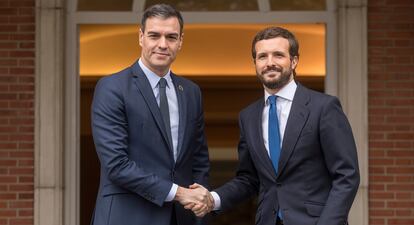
{"type": "Point", "coordinates": [197, 198]}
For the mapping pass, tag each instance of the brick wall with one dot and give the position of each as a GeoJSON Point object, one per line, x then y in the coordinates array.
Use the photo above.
{"type": "Point", "coordinates": [17, 55]}
{"type": "Point", "coordinates": [391, 111]}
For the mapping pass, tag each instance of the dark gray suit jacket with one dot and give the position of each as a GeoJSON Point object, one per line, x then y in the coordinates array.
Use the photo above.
{"type": "Point", "coordinates": [137, 164]}
{"type": "Point", "coordinates": [318, 169]}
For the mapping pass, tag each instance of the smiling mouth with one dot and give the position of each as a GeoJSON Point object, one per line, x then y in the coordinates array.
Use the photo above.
{"type": "Point", "coordinates": [271, 73]}
{"type": "Point", "coordinates": [162, 54]}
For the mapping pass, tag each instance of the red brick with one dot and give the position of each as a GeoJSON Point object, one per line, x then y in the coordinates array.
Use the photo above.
{"type": "Point", "coordinates": [384, 212]}
{"type": "Point", "coordinates": [403, 145]}
{"type": "Point", "coordinates": [22, 37]}
{"type": "Point", "coordinates": [400, 153]}
{"type": "Point", "coordinates": [22, 19]}
{"type": "Point", "coordinates": [21, 154]}
{"type": "Point", "coordinates": [4, 37]}
{"type": "Point", "coordinates": [377, 187]}
{"type": "Point", "coordinates": [8, 62]}
{"type": "Point", "coordinates": [404, 195]}
{"type": "Point", "coordinates": [26, 62]}
{"type": "Point", "coordinates": [22, 3]}
{"type": "Point", "coordinates": [376, 170]}
{"type": "Point", "coordinates": [21, 221]}
{"type": "Point", "coordinates": [26, 28]}
{"type": "Point", "coordinates": [26, 96]}
{"type": "Point", "coordinates": [400, 136]}
{"type": "Point", "coordinates": [22, 54]}
{"type": "Point", "coordinates": [21, 171]}
{"type": "Point", "coordinates": [21, 204]}
{"type": "Point", "coordinates": [8, 45]}
{"type": "Point", "coordinates": [22, 87]}
{"type": "Point", "coordinates": [403, 213]}
{"type": "Point", "coordinates": [400, 187]}
{"type": "Point", "coordinates": [26, 213]}
{"type": "Point", "coordinates": [26, 129]}
{"type": "Point", "coordinates": [400, 221]}
{"type": "Point", "coordinates": [8, 196]}
{"type": "Point", "coordinates": [27, 45]}
{"type": "Point", "coordinates": [400, 204]}
{"type": "Point", "coordinates": [380, 162]}
{"type": "Point", "coordinates": [400, 170]}
{"type": "Point", "coordinates": [376, 221]}
{"type": "Point", "coordinates": [26, 79]}
{"type": "Point", "coordinates": [7, 162]}
{"type": "Point", "coordinates": [377, 204]}
{"type": "Point", "coordinates": [22, 121]}
{"type": "Point", "coordinates": [8, 179]}
{"type": "Point", "coordinates": [381, 144]}
{"type": "Point", "coordinates": [25, 179]}
{"type": "Point", "coordinates": [399, 2]}
{"type": "Point", "coordinates": [403, 162]}
{"type": "Point", "coordinates": [7, 213]}
{"type": "Point", "coordinates": [378, 178]}
{"type": "Point", "coordinates": [8, 145]}
{"type": "Point", "coordinates": [25, 146]}
{"type": "Point", "coordinates": [26, 162]}
{"type": "Point", "coordinates": [21, 187]}
{"type": "Point", "coordinates": [8, 28]}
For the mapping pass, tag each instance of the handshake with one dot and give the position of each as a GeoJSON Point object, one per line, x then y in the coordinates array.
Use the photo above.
{"type": "Point", "coordinates": [196, 198]}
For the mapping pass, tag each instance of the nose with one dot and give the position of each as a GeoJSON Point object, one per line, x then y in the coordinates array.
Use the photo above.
{"type": "Point", "coordinates": [270, 61]}
{"type": "Point", "coordinates": [162, 44]}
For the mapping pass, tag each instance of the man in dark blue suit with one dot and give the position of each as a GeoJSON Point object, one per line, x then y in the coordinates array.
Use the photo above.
{"type": "Point", "coordinates": [148, 129]}
{"type": "Point", "coordinates": [296, 148]}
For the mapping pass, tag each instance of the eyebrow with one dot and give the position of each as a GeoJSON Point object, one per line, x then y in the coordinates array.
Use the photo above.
{"type": "Point", "coordinates": [158, 33]}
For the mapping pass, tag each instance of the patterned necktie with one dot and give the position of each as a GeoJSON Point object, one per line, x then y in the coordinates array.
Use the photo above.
{"type": "Point", "coordinates": [165, 112]}
{"type": "Point", "coordinates": [274, 135]}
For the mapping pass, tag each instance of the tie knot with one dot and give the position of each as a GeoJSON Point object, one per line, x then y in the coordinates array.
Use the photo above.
{"type": "Point", "coordinates": [162, 83]}
{"type": "Point", "coordinates": [272, 99]}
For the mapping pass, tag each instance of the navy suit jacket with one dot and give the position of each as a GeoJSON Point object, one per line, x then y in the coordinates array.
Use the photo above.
{"type": "Point", "coordinates": [318, 169]}
{"type": "Point", "coordinates": [137, 163]}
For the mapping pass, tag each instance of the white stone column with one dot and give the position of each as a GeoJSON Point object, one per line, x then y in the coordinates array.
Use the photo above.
{"type": "Point", "coordinates": [353, 91]}
{"type": "Point", "coordinates": [48, 181]}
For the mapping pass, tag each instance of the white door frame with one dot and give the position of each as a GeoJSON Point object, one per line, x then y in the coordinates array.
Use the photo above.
{"type": "Point", "coordinates": [57, 161]}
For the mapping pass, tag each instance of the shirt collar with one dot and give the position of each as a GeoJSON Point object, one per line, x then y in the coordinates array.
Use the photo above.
{"type": "Point", "coordinates": [287, 92]}
{"type": "Point", "coordinates": [152, 77]}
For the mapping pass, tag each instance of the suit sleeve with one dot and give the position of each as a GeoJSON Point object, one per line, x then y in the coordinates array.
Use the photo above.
{"type": "Point", "coordinates": [340, 154]}
{"type": "Point", "coordinates": [201, 162]}
{"type": "Point", "coordinates": [246, 183]}
{"type": "Point", "coordinates": [110, 133]}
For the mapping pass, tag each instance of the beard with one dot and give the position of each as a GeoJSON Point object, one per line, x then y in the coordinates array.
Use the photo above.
{"type": "Point", "coordinates": [277, 83]}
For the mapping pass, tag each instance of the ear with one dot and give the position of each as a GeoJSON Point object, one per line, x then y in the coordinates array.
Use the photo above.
{"type": "Point", "coordinates": [294, 63]}
{"type": "Point", "coordinates": [181, 41]}
{"type": "Point", "coordinates": [141, 36]}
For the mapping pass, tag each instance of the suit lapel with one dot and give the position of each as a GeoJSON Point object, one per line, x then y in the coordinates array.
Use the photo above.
{"type": "Point", "coordinates": [182, 111]}
{"type": "Point", "coordinates": [145, 89]}
{"type": "Point", "coordinates": [297, 118]}
{"type": "Point", "coordinates": [256, 123]}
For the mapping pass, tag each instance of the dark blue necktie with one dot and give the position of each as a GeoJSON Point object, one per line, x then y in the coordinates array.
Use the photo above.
{"type": "Point", "coordinates": [274, 135]}
{"type": "Point", "coordinates": [165, 113]}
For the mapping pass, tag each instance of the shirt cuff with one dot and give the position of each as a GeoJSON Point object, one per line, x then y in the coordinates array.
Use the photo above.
{"type": "Point", "coordinates": [172, 193]}
{"type": "Point", "coordinates": [217, 201]}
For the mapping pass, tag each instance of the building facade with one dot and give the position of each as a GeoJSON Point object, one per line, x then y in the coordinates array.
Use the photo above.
{"type": "Point", "coordinates": [39, 167]}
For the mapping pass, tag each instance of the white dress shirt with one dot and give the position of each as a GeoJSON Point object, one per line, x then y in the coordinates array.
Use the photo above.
{"type": "Point", "coordinates": [173, 110]}
{"type": "Point", "coordinates": [283, 103]}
